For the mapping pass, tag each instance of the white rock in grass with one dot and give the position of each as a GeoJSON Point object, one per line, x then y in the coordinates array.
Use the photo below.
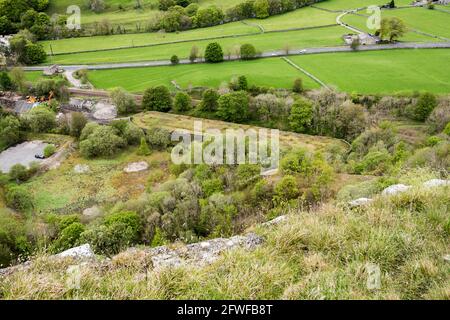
{"type": "Point", "coordinates": [81, 252]}
{"type": "Point", "coordinates": [360, 202]}
{"type": "Point", "coordinates": [136, 167]}
{"type": "Point", "coordinates": [436, 183]}
{"type": "Point", "coordinates": [394, 189]}
{"type": "Point", "coordinates": [92, 212]}
{"type": "Point", "coordinates": [276, 221]}
{"type": "Point", "coordinates": [81, 168]}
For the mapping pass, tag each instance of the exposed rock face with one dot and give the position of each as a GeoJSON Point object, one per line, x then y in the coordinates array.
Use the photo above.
{"type": "Point", "coordinates": [360, 202]}
{"type": "Point", "coordinates": [81, 168]}
{"type": "Point", "coordinates": [81, 252]}
{"type": "Point", "coordinates": [394, 189]}
{"type": "Point", "coordinates": [198, 254]}
{"type": "Point", "coordinates": [136, 167]}
{"type": "Point", "coordinates": [436, 183]}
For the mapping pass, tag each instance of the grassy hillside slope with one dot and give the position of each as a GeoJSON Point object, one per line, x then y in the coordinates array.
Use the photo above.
{"type": "Point", "coordinates": [324, 254]}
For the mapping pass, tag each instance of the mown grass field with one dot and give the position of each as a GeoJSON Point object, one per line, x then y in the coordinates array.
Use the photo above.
{"type": "Point", "coordinates": [429, 21]}
{"type": "Point", "coordinates": [140, 39]}
{"type": "Point", "coordinates": [330, 36]}
{"type": "Point", "coordinates": [354, 4]}
{"type": "Point", "coordinates": [129, 16]}
{"type": "Point", "coordinates": [300, 18]}
{"type": "Point", "coordinates": [359, 22]}
{"type": "Point", "coordinates": [273, 72]}
{"type": "Point", "coordinates": [387, 71]}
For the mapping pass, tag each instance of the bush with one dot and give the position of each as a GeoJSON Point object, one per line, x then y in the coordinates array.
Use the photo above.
{"type": "Point", "coordinates": [301, 116]}
{"type": "Point", "coordinates": [298, 86]}
{"type": "Point", "coordinates": [10, 132]}
{"type": "Point", "coordinates": [108, 240]}
{"type": "Point", "coordinates": [183, 102]}
{"type": "Point", "coordinates": [18, 198]}
{"type": "Point", "coordinates": [210, 100]}
{"type": "Point", "coordinates": [212, 186]}
{"type": "Point", "coordinates": [49, 150]}
{"type": "Point", "coordinates": [103, 141]}
{"type": "Point", "coordinates": [19, 172]}
{"type": "Point", "coordinates": [214, 53]}
{"type": "Point", "coordinates": [41, 119]}
{"type": "Point", "coordinates": [124, 101]}
{"type": "Point", "coordinates": [159, 138]}
{"type": "Point", "coordinates": [143, 148]}
{"type": "Point", "coordinates": [157, 99]}
{"type": "Point", "coordinates": [424, 106]}
{"type": "Point", "coordinates": [447, 129]}
{"type": "Point", "coordinates": [5, 81]}
{"type": "Point", "coordinates": [286, 189]}
{"type": "Point", "coordinates": [77, 123]}
{"type": "Point", "coordinates": [261, 8]}
{"type": "Point", "coordinates": [248, 52]}
{"type": "Point", "coordinates": [128, 218]}
{"type": "Point", "coordinates": [174, 60]}
{"type": "Point", "coordinates": [69, 237]}
{"type": "Point", "coordinates": [34, 54]}
{"type": "Point", "coordinates": [233, 107]}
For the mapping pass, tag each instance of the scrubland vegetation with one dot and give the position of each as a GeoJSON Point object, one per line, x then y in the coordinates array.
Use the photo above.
{"type": "Point", "coordinates": [363, 121]}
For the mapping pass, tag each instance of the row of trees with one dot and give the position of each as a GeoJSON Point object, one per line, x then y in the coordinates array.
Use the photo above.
{"type": "Point", "coordinates": [183, 15]}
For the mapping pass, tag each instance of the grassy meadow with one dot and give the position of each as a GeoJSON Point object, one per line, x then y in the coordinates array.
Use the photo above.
{"type": "Point", "coordinates": [272, 72]}
{"type": "Point", "coordinates": [388, 71]}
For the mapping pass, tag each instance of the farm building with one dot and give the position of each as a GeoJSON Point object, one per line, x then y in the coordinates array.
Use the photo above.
{"type": "Point", "coordinates": [52, 70]}
{"type": "Point", "coordinates": [364, 38]}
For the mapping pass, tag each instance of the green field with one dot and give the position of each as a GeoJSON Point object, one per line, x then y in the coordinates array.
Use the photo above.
{"type": "Point", "coordinates": [354, 4]}
{"type": "Point", "coordinates": [128, 17]}
{"type": "Point", "coordinates": [303, 17]}
{"type": "Point", "coordinates": [387, 71]}
{"type": "Point", "coordinates": [273, 72]}
{"type": "Point", "coordinates": [368, 72]}
{"type": "Point", "coordinates": [330, 36]}
{"type": "Point", "coordinates": [140, 39]}
{"type": "Point", "coordinates": [415, 18]}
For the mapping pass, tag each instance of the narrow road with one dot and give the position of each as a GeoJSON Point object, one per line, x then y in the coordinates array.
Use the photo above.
{"type": "Point", "coordinates": [342, 24]}
{"type": "Point", "coordinates": [270, 54]}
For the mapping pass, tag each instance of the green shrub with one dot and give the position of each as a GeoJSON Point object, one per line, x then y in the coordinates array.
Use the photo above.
{"type": "Point", "coordinates": [298, 85]}
{"type": "Point", "coordinates": [49, 150]}
{"type": "Point", "coordinates": [18, 198]}
{"type": "Point", "coordinates": [447, 129]}
{"type": "Point", "coordinates": [69, 237]}
{"type": "Point", "coordinates": [159, 138]}
{"type": "Point", "coordinates": [19, 172]}
{"type": "Point", "coordinates": [298, 161]}
{"type": "Point", "coordinates": [210, 100]}
{"type": "Point", "coordinates": [41, 119]}
{"type": "Point", "coordinates": [286, 189]}
{"type": "Point", "coordinates": [424, 106]}
{"type": "Point", "coordinates": [212, 186]}
{"type": "Point", "coordinates": [174, 60]}
{"type": "Point", "coordinates": [143, 150]}
{"type": "Point", "coordinates": [248, 51]}
{"type": "Point", "coordinates": [214, 53]}
{"type": "Point", "coordinates": [109, 240]}
{"type": "Point", "coordinates": [233, 107]}
{"type": "Point", "coordinates": [301, 116]}
{"type": "Point", "coordinates": [5, 82]}
{"type": "Point", "coordinates": [183, 102]}
{"type": "Point", "coordinates": [77, 123]}
{"type": "Point", "coordinates": [10, 131]}
{"type": "Point", "coordinates": [103, 141]}
{"type": "Point", "coordinates": [157, 99]}
{"type": "Point", "coordinates": [128, 218]}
